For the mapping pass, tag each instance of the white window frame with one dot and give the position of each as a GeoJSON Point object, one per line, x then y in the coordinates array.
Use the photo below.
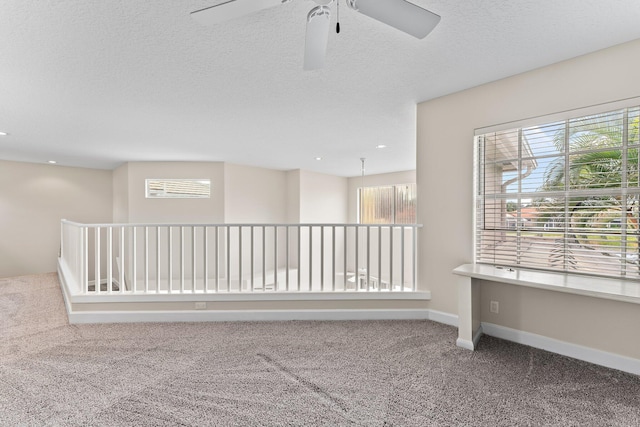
{"type": "Point", "coordinates": [622, 191]}
{"type": "Point", "coordinates": [201, 190]}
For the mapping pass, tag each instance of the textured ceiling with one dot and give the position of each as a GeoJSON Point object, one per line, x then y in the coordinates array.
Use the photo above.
{"type": "Point", "coordinates": [95, 83]}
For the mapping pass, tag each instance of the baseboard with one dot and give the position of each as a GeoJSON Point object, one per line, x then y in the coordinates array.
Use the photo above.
{"type": "Point", "coordinates": [473, 344]}
{"type": "Point", "coordinates": [244, 315]}
{"type": "Point", "coordinates": [442, 317]}
{"type": "Point", "coordinates": [64, 287]}
{"type": "Point", "coordinates": [587, 354]}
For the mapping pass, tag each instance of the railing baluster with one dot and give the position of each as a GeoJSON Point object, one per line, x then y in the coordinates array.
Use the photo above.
{"type": "Point", "coordinates": [96, 277]}
{"type": "Point", "coordinates": [135, 259]}
{"type": "Point", "coordinates": [252, 258]}
{"type": "Point", "coordinates": [287, 243]}
{"type": "Point", "coordinates": [414, 256]}
{"type": "Point", "coordinates": [240, 258]}
{"type": "Point", "coordinates": [357, 273]}
{"type": "Point", "coordinates": [310, 257]}
{"type": "Point", "coordinates": [158, 259]}
{"type": "Point", "coordinates": [146, 259]}
{"type": "Point", "coordinates": [205, 237]}
{"type": "Point", "coordinates": [170, 278]}
{"type": "Point", "coordinates": [379, 258]}
{"type": "Point", "coordinates": [344, 265]}
{"type": "Point", "coordinates": [217, 258]}
{"type": "Point", "coordinates": [85, 250]}
{"type": "Point", "coordinates": [322, 258]}
{"type": "Point", "coordinates": [194, 258]}
{"type": "Point", "coordinates": [402, 257]}
{"type": "Point", "coordinates": [333, 258]}
{"type": "Point", "coordinates": [391, 257]}
{"type": "Point", "coordinates": [228, 256]}
{"type": "Point", "coordinates": [181, 259]}
{"type": "Point", "coordinates": [110, 260]}
{"type": "Point", "coordinates": [275, 258]}
{"type": "Point", "coordinates": [122, 262]}
{"type": "Point", "coordinates": [299, 261]}
{"type": "Point", "coordinates": [264, 259]}
{"type": "Point", "coordinates": [367, 276]}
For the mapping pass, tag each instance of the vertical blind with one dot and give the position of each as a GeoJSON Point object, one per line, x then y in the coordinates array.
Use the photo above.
{"type": "Point", "coordinates": [390, 204]}
{"type": "Point", "coordinates": [561, 195]}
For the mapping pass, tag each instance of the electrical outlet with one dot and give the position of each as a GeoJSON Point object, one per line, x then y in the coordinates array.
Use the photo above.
{"type": "Point", "coordinates": [201, 305]}
{"type": "Point", "coordinates": [495, 307]}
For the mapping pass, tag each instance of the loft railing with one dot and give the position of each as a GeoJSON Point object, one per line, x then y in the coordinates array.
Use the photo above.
{"type": "Point", "coordinates": [233, 258]}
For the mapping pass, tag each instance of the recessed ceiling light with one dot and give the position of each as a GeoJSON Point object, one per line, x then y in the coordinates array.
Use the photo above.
{"type": "Point", "coordinates": [53, 162]}
{"type": "Point", "coordinates": [4, 134]}
{"type": "Point", "coordinates": [381, 146]}
{"type": "Point", "coordinates": [318, 158]}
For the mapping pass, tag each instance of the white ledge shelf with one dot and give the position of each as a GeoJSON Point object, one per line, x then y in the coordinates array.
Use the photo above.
{"type": "Point", "coordinates": [593, 286]}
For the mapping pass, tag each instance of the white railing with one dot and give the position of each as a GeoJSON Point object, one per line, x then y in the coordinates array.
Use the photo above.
{"type": "Point", "coordinates": [232, 258]}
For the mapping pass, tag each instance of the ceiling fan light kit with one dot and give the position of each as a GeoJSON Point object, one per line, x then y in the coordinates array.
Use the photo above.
{"type": "Point", "coordinates": [399, 14]}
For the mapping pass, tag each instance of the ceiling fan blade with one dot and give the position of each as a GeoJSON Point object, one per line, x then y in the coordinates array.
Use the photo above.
{"type": "Point", "coordinates": [232, 9]}
{"type": "Point", "coordinates": [315, 48]}
{"type": "Point", "coordinates": [399, 14]}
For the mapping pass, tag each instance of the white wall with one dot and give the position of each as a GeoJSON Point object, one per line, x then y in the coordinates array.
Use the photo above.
{"type": "Point", "coordinates": [444, 171]}
{"type": "Point", "coordinates": [33, 200]}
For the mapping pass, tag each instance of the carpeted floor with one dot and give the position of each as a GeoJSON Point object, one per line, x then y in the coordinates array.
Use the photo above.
{"type": "Point", "coordinates": [375, 373]}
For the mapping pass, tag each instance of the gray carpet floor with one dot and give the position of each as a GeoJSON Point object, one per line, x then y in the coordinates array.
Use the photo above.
{"type": "Point", "coordinates": [369, 373]}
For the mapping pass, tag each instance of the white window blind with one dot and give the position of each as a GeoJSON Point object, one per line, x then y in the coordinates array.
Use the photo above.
{"type": "Point", "coordinates": [390, 204]}
{"type": "Point", "coordinates": [178, 188]}
{"type": "Point", "coordinates": [561, 195]}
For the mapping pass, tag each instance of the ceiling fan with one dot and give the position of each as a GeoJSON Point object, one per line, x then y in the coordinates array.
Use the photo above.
{"type": "Point", "coordinates": [400, 14]}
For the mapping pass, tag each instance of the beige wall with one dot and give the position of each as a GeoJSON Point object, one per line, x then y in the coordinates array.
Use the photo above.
{"type": "Point", "coordinates": [33, 200]}
{"type": "Point", "coordinates": [323, 198]}
{"type": "Point", "coordinates": [394, 178]}
{"type": "Point", "coordinates": [445, 131]}
{"type": "Point", "coordinates": [191, 211]}
{"type": "Point", "coordinates": [121, 194]}
{"type": "Point", "coordinates": [293, 196]}
{"type": "Point", "coordinates": [254, 195]}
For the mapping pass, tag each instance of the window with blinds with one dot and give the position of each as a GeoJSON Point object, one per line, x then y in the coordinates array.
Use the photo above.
{"type": "Point", "coordinates": [390, 204]}
{"type": "Point", "coordinates": [178, 188]}
{"type": "Point", "coordinates": [561, 195]}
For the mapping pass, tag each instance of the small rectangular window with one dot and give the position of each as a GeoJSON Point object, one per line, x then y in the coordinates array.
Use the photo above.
{"type": "Point", "coordinates": [178, 188]}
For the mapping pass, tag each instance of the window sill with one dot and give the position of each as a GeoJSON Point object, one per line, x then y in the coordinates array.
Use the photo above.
{"type": "Point", "coordinates": [593, 286]}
